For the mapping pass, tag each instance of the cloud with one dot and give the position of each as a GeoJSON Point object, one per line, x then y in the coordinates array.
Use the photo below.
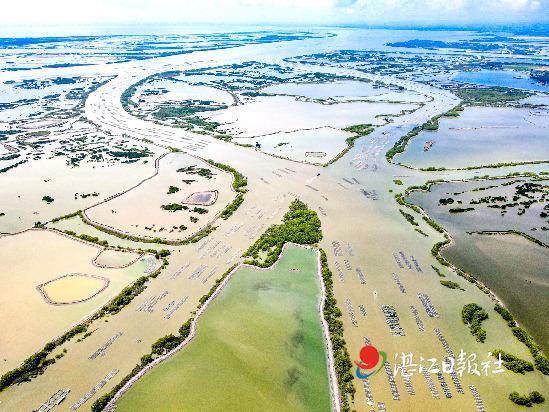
{"type": "Point", "coordinates": [344, 3]}
{"type": "Point", "coordinates": [32, 12]}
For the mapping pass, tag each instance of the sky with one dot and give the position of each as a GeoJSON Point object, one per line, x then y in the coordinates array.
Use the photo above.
{"type": "Point", "coordinates": [258, 12]}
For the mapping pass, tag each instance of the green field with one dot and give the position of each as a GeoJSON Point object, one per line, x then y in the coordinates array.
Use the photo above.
{"type": "Point", "coordinates": [258, 347]}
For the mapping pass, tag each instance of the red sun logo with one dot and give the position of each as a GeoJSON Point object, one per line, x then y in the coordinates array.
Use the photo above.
{"type": "Point", "coordinates": [369, 359]}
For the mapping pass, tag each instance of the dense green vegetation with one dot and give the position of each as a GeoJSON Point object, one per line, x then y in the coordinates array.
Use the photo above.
{"type": "Point", "coordinates": [473, 315]}
{"type": "Point", "coordinates": [48, 199]}
{"type": "Point", "coordinates": [445, 201]}
{"type": "Point", "coordinates": [450, 284]}
{"type": "Point", "coordinates": [162, 253]}
{"type": "Point", "coordinates": [400, 200]}
{"type": "Point", "coordinates": [193, 170]}
{"type": "Point", "coordinates": [173, 189]}
{"type": "Point", "coordinates": [421, 232]}
{"type": "Point", "coordinates": [240, 182]}
{"type": "Point", "coordinates": [397, 182]}
{"type": "Point", "coordinates": [401, 143]}
{"type": "Point", "coordinates": [438, 271]}
{"type": "Point", "coordinates": [540, 360]}
{"type": "Point", "coordinates": [408, 217]}
{"type": "Point", "coordinates": [360, 129]}
{"type": "Point", "coordinates": [299, 225]}
{"type": "Point", "coordinates": [490, 96]}
{"type": "Point", "coordinates": [231, 207]}
{"type": "Point", "coordinates": [513, 363]}
{"type": "Point", "coordinates": [433, 224]}
{"type": "Point", "coordinates": [133, 153]}
{"type": "Point", "coordinates": [505, 314]}
{"type": "Point", "coordinates": [431, 124]}
{"type": "Point", "coordinates": [88, 238]}
{"type": "Point", "coordinates": [460, 209]}
{"type": "Point", "coordinates": [435, 252]}
{"type": "Point", "coordinates": [526, 400]}
{"type": "Point", "coordinates": [455, 112]}
{"type": "Point", "coordinates": [173, 207]}
{"type": "Point", "coordinates": [206, 125]}
{"type": "Point", "coordinates": [332, 315]}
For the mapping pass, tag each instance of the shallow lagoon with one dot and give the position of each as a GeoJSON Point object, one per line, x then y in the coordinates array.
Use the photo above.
{"type": "Point", "coordinates": [480, 136]}
{"type": "Point", "coordinates": [259, 346]}
{"type": "Point", "coordinates": [139, 211]}
{"type": "Point", "coordinates": [345, 90]}
{"type": "Point", "coordinates": [284, 114]}
{"type": "Point", "coordinates": [164, 90]}
{"type": "Point", "coordinates": [513, 267]}
{"type": "Point", "coordinates": [502, 78]}
{"type": "Point", "coordinates": [312, 146]}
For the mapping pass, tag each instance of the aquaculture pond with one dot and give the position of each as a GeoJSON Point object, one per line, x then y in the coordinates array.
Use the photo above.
{"type": "Point", "coordinates": [501, 78]}
{"type": "Point", "coordinates": [267, 115]}
{"type": "Point", "coordinates": [513, 267]}
{"type": "Point", "coordinates": [258, 347]}
{"type": "Point", "coordinates": [312, 146]}
{"type": "Point", "coordinates": [481, 136]}
{"type": "Point", "coordinates": [344, 90]}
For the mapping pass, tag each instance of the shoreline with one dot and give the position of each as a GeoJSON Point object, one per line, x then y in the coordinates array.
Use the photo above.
{"type": "Point", "coordinates": [449, 240]}
{"type": "Point", "coordinates": [332, 377]}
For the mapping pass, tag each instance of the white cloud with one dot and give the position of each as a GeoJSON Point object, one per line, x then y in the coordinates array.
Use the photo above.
{"type": "Point", "coordinates": [270, 11]}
